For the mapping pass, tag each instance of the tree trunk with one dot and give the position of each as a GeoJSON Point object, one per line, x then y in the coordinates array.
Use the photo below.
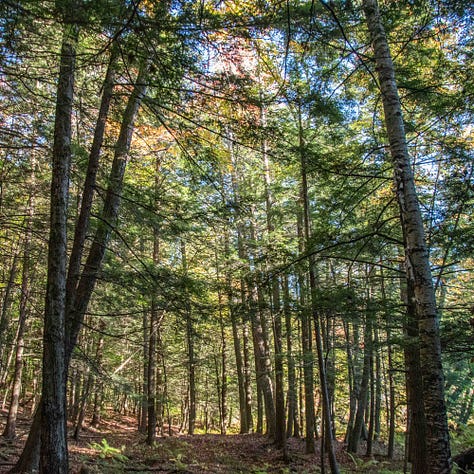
{"type": "Point", "coordinates": [222, 378]}
{"type": "Point", "coordinates": [53, 452]}
{"type": "Point", "coordinates": [109, 213]}
{"type": "Point", "coordinates": [292, 428]}
{"type": "Point", "coordinates": [416, 253]}
{"type": "Point", "coordinates": [190, 345]}
{"type": "Point", "coordinates": [5, 316]}
{"type": "Point", "coordinates": [151, 375]}
{"type": "Point", "coordinates": [98, 392]}
{"type": "Point", "coordinates": [152, 343]}
{"type": "Point", "coordinates": [142, 423]}
{"type": "Point", "coordinates": [82, 223]}
{"type": "Point", "coordinates": [416, 422]}
{"type": "Point", "coordinates": [356, 434]}
{"type": "Point", "coordinates": [10, 427]}
{"type": "Point", "coordinates": [244, 427]}
{"type": "Point", "coordinates": [316, 316]}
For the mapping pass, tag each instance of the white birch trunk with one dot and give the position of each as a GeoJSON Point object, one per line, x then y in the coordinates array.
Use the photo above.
{"type": "Point", "coordinates": [416, 253]}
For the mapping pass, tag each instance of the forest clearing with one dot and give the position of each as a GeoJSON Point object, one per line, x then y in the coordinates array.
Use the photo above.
{"type": "Point", "coordinates": [247, 224]}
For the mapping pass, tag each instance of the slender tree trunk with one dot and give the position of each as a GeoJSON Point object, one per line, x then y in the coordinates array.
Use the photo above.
{"type": "Point", "coordinates": [292, 428]}
{"type": "Point", "coordinates": [191, 353]}
{"type": "Point", "coordinates": [279, 411]}
{"type": "Point", "coordinates": [83, 404]}
{"type": "Point", "coordinates": [351, 377]}
{"type": "Point", "coordinates": [247, 374]}
{"type": "Point", "coordinates": [391, 381]}
{"type": "Point", "coordinates": [316, 316]}
{"type": "Point", "coordinates": [98, 392]}
{"type": "Point", "coordinates": [152, 340]}
{"type": "Point", "coordinates": [417, 258]}
{"type": "Point", "coordinates": [416, 423]}
{"type": "Point", "coordinates": [5, 316]}
{"type": "Point", "coordinates": [222, 393]}
{"type": "Point", "coordinates": [357, 431]}
{"type": "Point", "coordinates": [244, 428]}
{"type": "Point", "coordinates": [306, 343]}
{"type": "Point", "coordinates": [262, 358]}
{"type": "Point", "coordinates": [10, 427]}
{"type": "Point", "coordinates": [378, 386]}
{"type": "Point", "coordinates": [142, 424]}
{"type": "Point", "coordinates": [151, 375]}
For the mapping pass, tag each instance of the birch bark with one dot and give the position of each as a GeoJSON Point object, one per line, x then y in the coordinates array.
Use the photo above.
{"type": "Point", "coordinates": [416, 253]}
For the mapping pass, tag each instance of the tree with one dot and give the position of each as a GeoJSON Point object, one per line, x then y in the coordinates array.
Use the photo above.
{"type": "Point", "coordinates": [417, 260]}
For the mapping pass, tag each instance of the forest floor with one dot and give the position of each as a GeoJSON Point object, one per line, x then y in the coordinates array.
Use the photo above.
{"type": "Point", "coordinates": [116, 447]}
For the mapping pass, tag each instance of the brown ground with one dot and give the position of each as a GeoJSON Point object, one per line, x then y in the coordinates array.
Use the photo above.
{"type": "Point", "coordinates": [124, 451]}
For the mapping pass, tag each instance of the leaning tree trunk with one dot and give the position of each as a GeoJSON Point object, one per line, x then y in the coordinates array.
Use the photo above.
{"type": "Point", "coordinates": [82, 224]}
{"type": "Point", "coordinates": [416, 253]}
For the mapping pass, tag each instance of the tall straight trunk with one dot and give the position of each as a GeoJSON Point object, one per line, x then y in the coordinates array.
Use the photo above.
{"type": "Point", "coordinates": [98, 392]}
{"type": "Point", "coordinates": [416, 253]}
{"type": "Point", "coordinates": [351, 376]}
{"type": "Point", "coordinates": [190, 333]}
{"type": "Point", "coordinates": [222, 378]}
{"type": "Point", "coordinates": [154, 326]}
{"type": "Point", "coordinates": [355, 436]}
{"type": "Point", "coordinates": [247, 373]}
{"type": "Point", "coordinates": [292, 428]}
{"type": "Point", "coordinates": [371, 413]}
{"type": "Point", "coordinates": [262, 357]}
{"type": "Point", "coordinates": [242, 356]}
{"type": "Point", "coordinates": [280, 415]}
{"type": "Point", "coordinates": [257, 307]}
{"type": "Point", "coordinates": [244, 427]}
{"type": "Point", "coordinates": [391, 381]}
{"type": "Point", "coordinates": [416, 421]}
{"type": "Point", "coordinates": [142, 423]}
{"type": "Point", "coordinates": [53, 453]}
{"type": "Point", "coordinates": [378, 385]}
{"type": "Point", "coordinates": [328, 439]}
{"type": "Point", "coordinates": [151, 375]}
{"type": "Point", "coordinates": [155, 322]}
{"type": "Point", "coordinates": [308, 360]}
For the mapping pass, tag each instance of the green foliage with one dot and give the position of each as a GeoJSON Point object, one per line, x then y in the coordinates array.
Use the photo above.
{"type": "Point", "coordinates": [109, 452]}
{"type": "Point", "coordinates": [462, 438]}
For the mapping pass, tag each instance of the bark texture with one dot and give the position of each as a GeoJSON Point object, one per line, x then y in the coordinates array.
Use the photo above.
{"type": "Point", "coordinates": [53, 453]}
{"type": "Point", "coordinates": [416, 252]}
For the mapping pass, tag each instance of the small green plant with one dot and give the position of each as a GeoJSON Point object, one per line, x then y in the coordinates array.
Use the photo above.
{"type": "Point", "coordinates": [108, 452]}
{"type": "Point", "coordinates": [178, 462]}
